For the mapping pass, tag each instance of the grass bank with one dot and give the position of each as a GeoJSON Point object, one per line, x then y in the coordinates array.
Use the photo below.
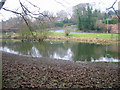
{"type": "Point", "coordinates": [80, 37]}
{"type": "Point", "coordinates": [86, 37]}
{"type": "Point", "coordinates": [89, 35]}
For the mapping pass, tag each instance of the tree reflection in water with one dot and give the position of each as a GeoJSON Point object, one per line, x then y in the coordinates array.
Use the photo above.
{"type": "Point", "coordinates": [64, 50]}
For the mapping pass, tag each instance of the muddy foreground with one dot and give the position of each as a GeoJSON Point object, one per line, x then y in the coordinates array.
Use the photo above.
{"type": "Point", "coordinates": [29, 72]}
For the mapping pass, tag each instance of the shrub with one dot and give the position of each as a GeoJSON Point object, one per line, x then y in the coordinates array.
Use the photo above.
{"type": "Point", "coordinates": [100, 26]}
{"type": "Point", "coordinates": [111, 21]}
{"type": "Point", "coordinates": [59, 24]}
{"type": "Point", "coordinates": [42, 36]}
{"type": "Point", "coordinates": [69, 24]}
{"type": "Point", "coordinates": [67, 31]}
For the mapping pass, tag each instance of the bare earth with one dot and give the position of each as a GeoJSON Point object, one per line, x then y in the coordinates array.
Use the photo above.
{"type": "Point", "coordinates": [28, 72]}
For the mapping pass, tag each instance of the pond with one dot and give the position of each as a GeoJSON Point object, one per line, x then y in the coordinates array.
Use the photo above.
{"type": "Point", "coordinates": [64, 50]}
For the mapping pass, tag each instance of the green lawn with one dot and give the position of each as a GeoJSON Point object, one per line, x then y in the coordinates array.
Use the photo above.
{"type": "Point", "coordinates": [88, 35]}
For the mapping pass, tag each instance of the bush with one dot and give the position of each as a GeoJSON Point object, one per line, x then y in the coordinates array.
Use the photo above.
{"type": "Point", "coordinates": [99, 26]}
{"type": "Point", "coordinates": [64, 22]}
{"type": "Point", "coordinates": [67, 32]}
{"type": "Point", "coordinates": [59, 24]}
{"type": "Point", "coordinates": [111, 21]}
{"type": "Point", "coordinates": [42, 36]}
{"type": "Point", "coordinates": [25, 33]}
{"type": "Point", "coordinates": [69, 24]}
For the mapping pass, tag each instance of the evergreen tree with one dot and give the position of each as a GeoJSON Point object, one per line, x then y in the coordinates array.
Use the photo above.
{"type": "Point", "coordinates": [79, 21]}
{"type": "Point", "coordinates": [85, 19]}
{"type": "Point", "coordinates": [89, 18]}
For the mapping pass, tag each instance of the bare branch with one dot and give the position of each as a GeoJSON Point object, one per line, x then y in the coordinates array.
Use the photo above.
{"type": "Point", "coordinates": [2, 3]}
{"type": "Point", "coordinates": [63, 6]}
{"type": "Point", "coordinates": [112, 7]}
{"type": "Point", "coordinates": [33, 4]}
{"type": "Point", "coordinates": [26, 13]}
{"type": "Point", "coordinates": [116, 13]}
{"type": "Point", "coordinates": [59, 3]}
{"type": "Point", "coordinates": [29, 26]}
{"type": "Point", "coordinates": [11, 11]}
{"type": "Point", "coordinates": [22, 17]}
{"type": "Point", "coordinates": [27, 10]}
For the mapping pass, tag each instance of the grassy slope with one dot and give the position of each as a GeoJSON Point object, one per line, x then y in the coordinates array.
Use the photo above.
{"type": "Point", "coordinates": [88, 35]}
{"type": "Point", "coordinates": [80, 35]}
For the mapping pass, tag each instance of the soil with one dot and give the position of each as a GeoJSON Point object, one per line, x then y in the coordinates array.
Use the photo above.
{"type": "Point", "coordinates": [31, 72]}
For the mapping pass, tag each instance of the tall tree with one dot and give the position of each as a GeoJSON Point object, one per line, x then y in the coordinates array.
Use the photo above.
{"type": "Point", "coordinates": [85, 19]}
{"type": "Point", "coordinates": [62, 15]}
{"type": "Point", "coordinates": [28, 15]}
{"type": "Point", "coordinates": [79, 17]}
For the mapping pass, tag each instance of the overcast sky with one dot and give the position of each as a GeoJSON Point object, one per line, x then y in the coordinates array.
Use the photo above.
{"type": "Point", "coordinates": [54, 5]}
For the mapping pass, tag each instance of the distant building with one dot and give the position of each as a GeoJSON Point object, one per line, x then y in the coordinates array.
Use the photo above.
{"type": "Point", "coordinates": [119, 5]}
{"type": "Point", "coordinates": [80, 5]}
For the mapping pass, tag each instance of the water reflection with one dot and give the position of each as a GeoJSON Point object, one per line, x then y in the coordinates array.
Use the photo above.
{"type": "Point", "coordinates": [34, 52]}
{"type": "Point", "coordinates": [64, 50]}
{"type": "Point", "coordinates": [9, 50]}
{"type": "Point", "coordinates": [67, 56]}
{"type": "Point", "coordinates": [105, 59]}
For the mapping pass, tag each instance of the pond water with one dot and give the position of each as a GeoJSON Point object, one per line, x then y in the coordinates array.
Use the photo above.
{"type": "Point", "coordinates": [64, 50]}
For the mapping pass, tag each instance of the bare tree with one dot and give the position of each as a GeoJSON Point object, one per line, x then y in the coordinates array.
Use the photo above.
{"type": "Point", "coordinates": [2, 3]}
{"type": "Point", "coordinates": [27, 14]}
{"type": "Point", "coordinates": [112, 7]}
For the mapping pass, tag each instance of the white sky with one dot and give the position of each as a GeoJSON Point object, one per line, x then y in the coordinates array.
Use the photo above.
{"type": "Point", "coordinates": [53, 6]}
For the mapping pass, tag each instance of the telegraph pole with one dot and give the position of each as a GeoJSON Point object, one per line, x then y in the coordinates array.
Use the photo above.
{"type": "Point", "coordinates": [107, 21]}
{"type": "Point", "coordinates": [107, 25]}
